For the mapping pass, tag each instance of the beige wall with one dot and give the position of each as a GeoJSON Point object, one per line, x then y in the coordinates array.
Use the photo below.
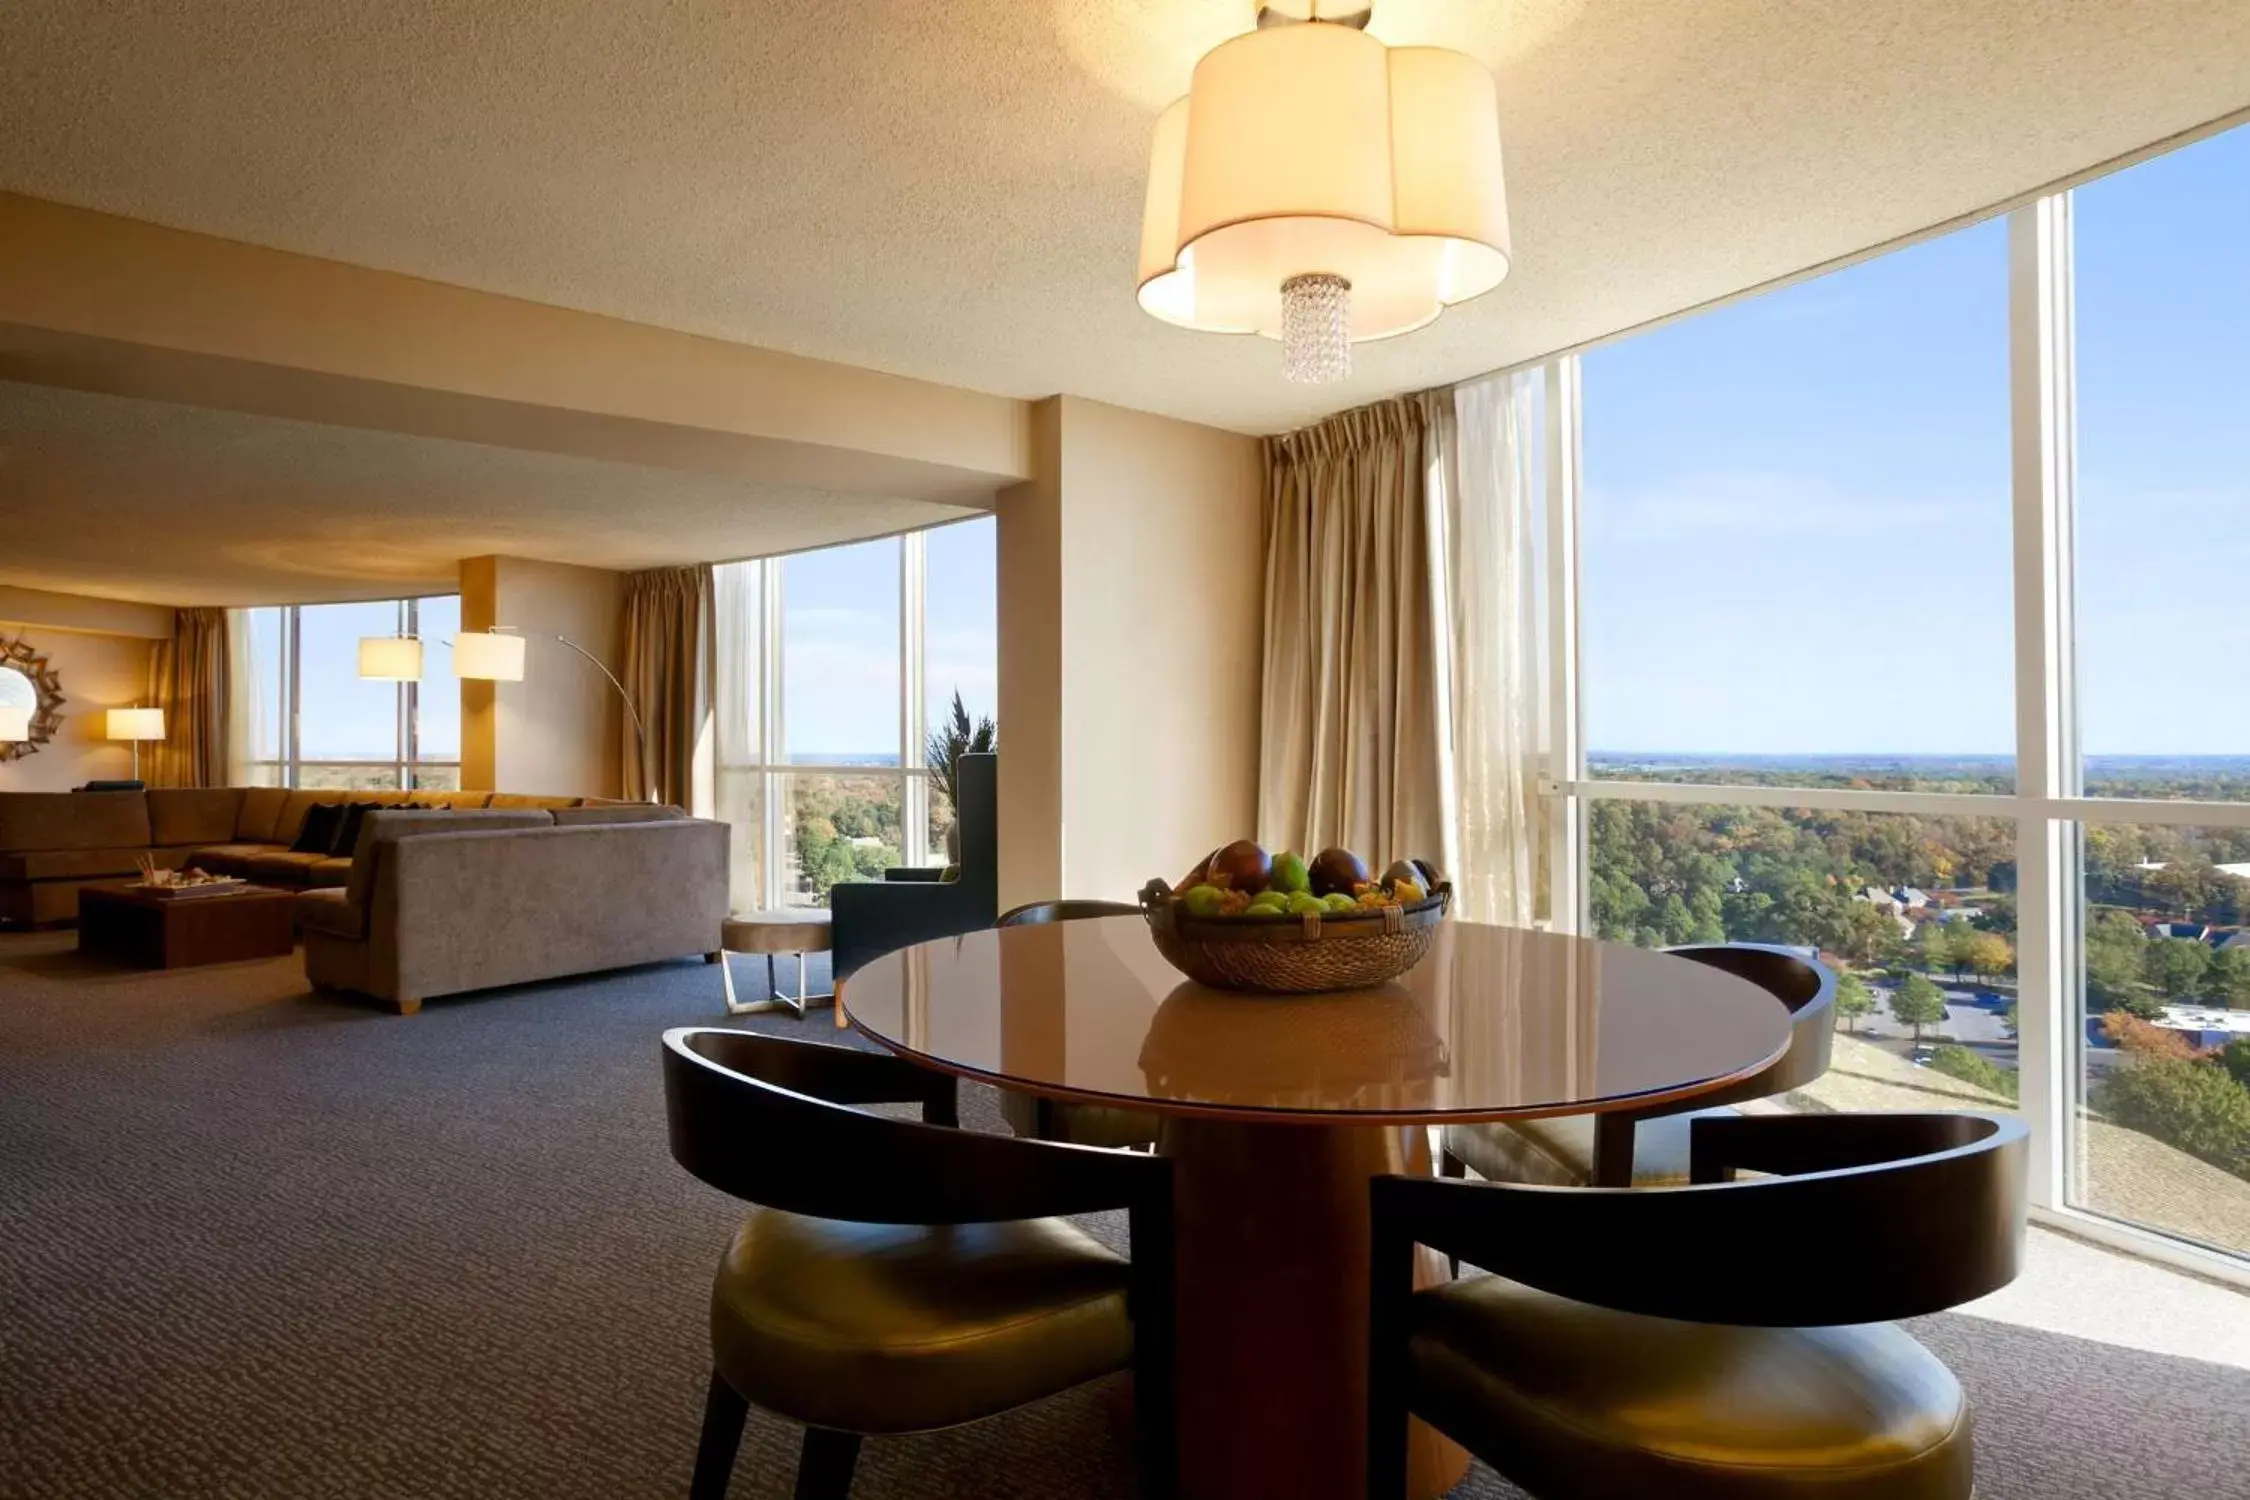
{"type": "Point", "coordinates": [556, 732]}
{"type": "Point", "coordinates": [100, 648]}
{"type": "Point", "coordinates": [1131, 589]}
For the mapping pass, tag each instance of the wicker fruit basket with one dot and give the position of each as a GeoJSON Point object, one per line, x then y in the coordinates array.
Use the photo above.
{"type": "Point", "coordinates": [1295, 955]}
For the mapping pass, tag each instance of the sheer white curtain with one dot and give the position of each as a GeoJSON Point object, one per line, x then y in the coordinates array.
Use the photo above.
{"type": "Point", "coordinates": [251, 729]}
{"type": "Point", "coordinates": [738, 617]}
{"type": "Point", "coordinates": [1490, 563]}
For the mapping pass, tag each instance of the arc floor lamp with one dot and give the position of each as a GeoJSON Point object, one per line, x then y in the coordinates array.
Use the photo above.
{"type": "Point", "coordinates": [495, 655]}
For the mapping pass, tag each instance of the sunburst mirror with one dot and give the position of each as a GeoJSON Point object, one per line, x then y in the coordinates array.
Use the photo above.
{"type": "Point", "coordinates": [31, 696]}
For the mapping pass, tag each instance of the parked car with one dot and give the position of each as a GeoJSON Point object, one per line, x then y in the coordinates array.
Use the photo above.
{"type": "Point", "coordinates": [1923, 1056]}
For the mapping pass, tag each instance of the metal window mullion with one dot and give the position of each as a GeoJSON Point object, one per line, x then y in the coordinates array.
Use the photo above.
{"type": "Point", "coordinates": [1569, 889]}
{"type": "Point", "coordinates": [772, 733]}
{"type": "Point", "coordinates": [1824, 798]}
{"type": "Point", "coordinates": [2043, 469]}
{"type": "Point", "coordinates": [409, 701]}
{"type": "Point", "coordinates": [913, 638]}
{"type": "Point", "coordinates": [293, 695]}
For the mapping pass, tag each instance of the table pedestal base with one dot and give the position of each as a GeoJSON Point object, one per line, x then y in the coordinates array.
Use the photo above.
{"type": "Point", "coordinates": [1272, 1268]}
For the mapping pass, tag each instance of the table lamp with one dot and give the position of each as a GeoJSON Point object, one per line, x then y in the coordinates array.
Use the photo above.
{"type": "Point", "coordinates": [136, 724]}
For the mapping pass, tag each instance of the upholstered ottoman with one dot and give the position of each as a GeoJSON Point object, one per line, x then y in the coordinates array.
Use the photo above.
{"type": "Point", "coordinates": [800, 931]}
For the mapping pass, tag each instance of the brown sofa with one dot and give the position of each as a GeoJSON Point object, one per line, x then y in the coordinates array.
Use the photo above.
{"type": "Point", "coordinates": [438, 903]}
{"type": "Point", "coordinates": [53, 843]}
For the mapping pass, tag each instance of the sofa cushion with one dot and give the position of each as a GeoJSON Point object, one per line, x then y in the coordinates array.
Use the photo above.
{"type": "Point", "coordinates": [284, 866]}
{"type": "Point", "coordinates": [193, 815]}
{"type": "Point", "coordinates": [291, 820]}
{"type": "Point", "coordinates": [317, 833]}
{"type": "Point", "coordinates": [616, 812]}
{"type": "Point", "coordinates": [73, 820]}
{"type": "Point", "coordinates": [228, 859]}
{"type": "Point", "coordinates": [69, 864]}
{"type": "Point", "coordinates": [347, 827]}
{"type": "Point", "coordinates": [335, 870]}
{"type": "Point", "coordinates": [261, 805]}
{"type": "Point", "coordinates": [396, 823]}
{"type": "Point", "coordinates": [330, 910]}
{"type": "Point", "coordinates": [520, 799]}
{"type": "Point", "coordinates": [456, 799]}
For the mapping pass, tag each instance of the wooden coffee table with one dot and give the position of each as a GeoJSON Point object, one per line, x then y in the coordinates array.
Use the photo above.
{"type": "Point", "coordinates": [127, 923]}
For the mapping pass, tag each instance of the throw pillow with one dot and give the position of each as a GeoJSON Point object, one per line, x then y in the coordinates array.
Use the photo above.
{"type": "Point", "coordinates": [318, 834]}
{"type": "Point", "coordinates": [347, 829]}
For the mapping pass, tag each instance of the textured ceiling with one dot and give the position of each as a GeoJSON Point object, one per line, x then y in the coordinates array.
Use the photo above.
{"type": "Point", "coordinates": [130, 499]}
{"type": "Point", "coordinates": [951, 188]}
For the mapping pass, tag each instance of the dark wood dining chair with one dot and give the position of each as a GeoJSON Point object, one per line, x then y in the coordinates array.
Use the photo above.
{"type": "Point", "coordinates": [1061, 1120]}
{"type": "Point", "coordinates": [1649, 1148]}
{"type": "Point", "coordinates": [899, 1276]}
{"type": "Point", "coordinates": [1703, 1342]}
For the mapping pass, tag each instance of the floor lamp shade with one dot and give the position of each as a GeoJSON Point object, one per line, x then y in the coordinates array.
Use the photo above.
{"type": "Point", "coordinates": [390, 658]}
{"type": "Point", "coordinates": [136, 724]}
{"type": "Point", "coordinates": [15, 724]}
{"type": "Point", "coordinates": [488, 656]}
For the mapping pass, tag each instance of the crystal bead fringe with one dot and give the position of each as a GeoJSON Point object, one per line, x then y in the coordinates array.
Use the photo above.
{"type": "Point", "coordinates": [1316, 345]}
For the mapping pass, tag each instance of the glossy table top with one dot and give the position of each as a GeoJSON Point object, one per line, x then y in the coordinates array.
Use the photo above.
{"type": "Point", "coordinates": [1496, 1023]}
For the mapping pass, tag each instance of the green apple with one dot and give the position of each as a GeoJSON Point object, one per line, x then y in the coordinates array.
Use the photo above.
{"type": "Point", "coordinates": [1289, 875]}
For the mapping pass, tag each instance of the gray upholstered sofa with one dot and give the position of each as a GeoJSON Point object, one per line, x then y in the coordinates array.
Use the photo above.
{"type": "Point", "coordinates": [438, 903]}
{"type": "Point", "coordinates": [54, 843]}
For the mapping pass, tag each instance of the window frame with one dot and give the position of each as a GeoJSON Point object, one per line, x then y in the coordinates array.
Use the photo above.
{"type": "Point", "coordinates": [2048, 806]}
{"type": "Point", "coordinates": [913, 773]}
{"type": "Point", "coordinates": [406, 758]}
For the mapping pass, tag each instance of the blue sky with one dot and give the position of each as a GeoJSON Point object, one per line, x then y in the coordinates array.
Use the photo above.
{"type": "Point", "coordinates": [840, 668]}
{"type": "Point", "coordinates": [1797, 529]}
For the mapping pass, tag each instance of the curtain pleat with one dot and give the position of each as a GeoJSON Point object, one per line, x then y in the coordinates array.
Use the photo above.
{"type": "Point", "coordinates": [1351, 748]}
{"type": "Point", "coordinates": [192, 673]}
{"type": "Point", "coordinates": [1491, 589]}
{"type": "Point", "coordinates": [668, 673]}
{"type": "Point", "coordinates": [737, 634]}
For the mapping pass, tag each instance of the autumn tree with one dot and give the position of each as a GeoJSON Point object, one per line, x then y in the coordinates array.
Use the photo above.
{"type": "Point", "coordinates": [1918, 1002]}
{"type": "Point", "coordinates": [1853, 999]}
{"type": "Point", "coordinates": [1986, 953]}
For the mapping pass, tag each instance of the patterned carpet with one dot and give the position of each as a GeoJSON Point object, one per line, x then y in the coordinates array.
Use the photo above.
{"type": "Point", "coordinates": [260, 1243]}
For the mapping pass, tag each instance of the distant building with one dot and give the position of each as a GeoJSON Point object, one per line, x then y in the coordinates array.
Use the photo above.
{"type": "Point", "coordinates": [2203, 1026]}
{"type": "Point", "coordinates": [1909, 896]}
{"type": "Point", "coordinates": [2193, 931]}
{"type": "Point", "coordinates": [1877, 897]}
{"type": "Point", "coordinates": [1959, 914]}
{"type": "Point", "coordinates": [2239, 870]}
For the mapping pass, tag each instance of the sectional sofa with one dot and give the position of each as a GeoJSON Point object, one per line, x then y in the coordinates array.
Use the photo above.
{"type": "Point", "coordinates": [52, 843]}
{"type": "Point", "coordinates": [483, 889]}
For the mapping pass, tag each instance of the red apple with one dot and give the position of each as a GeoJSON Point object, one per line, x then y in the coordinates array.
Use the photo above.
{"type": "Point", "coordinates": [1240, 866]}
{"type": "Point", "coordinates": [1336, 870]}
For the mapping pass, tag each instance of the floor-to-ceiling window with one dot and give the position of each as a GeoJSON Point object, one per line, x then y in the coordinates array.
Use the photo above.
{"type": "Point", "coordinates": [835, 665]}
{"type": "Point", "coordinates": [1906, 627]}
{"type": "Point", "coordinates": [317, 723]}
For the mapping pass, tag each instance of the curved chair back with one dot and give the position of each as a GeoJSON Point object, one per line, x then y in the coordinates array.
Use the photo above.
{"type": "Point", "coordinates": [1933, 1204]}
{"type": "Point", "coordinates": [770, 1121]}
{"type": "Point", "coordinates": [1806, 986]}
{"type": "Point", "coordinates": [1035, 913]}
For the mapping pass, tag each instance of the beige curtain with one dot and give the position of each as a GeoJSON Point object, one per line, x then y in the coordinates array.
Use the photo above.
{"type": "Point", "coordinates": [192, 674]}
{"type": "Point", "coordinates": [1351, 748]}
{"type": "Point", "coordinates": [1488, 511]}
{"type": "Point", "coordinates": [668, 673]}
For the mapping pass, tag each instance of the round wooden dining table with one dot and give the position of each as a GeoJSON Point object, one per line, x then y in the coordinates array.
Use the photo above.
{"type": "Point", "coordinates": [1278, 1110]}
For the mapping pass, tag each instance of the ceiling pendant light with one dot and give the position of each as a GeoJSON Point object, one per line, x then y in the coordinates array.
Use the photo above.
{"type": "Point", "coordinates": [1318, 187]}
